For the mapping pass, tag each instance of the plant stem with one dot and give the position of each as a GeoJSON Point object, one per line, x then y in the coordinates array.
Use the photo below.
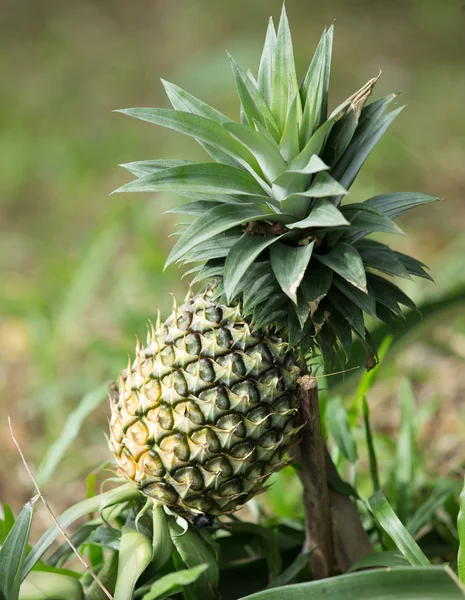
{"type": "Point", "coordinates": [334, 532]}
{"type": "Point", "coordinates": [311, 454]}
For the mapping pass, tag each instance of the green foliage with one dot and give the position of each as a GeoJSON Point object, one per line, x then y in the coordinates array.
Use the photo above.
{"type": "Point", "coordinates": [274, 188]}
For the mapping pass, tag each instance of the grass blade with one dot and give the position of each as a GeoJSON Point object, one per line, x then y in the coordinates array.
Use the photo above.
{"type": "Point", "coordinates": [392, 525]}
{"type": "Point", "coordinates": [70, 431]}
{"type": "Point", "coordinates": [371, 447]}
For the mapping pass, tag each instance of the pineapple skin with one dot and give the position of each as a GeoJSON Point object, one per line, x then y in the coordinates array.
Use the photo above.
{"type": "Point", "coordinates": [207, 411]}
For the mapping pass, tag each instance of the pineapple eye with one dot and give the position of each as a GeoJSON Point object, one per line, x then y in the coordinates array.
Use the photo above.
{"type": "Point", "coordinates": [191, 476]}
{"type": "Point", "coordinates": [223, 337]}
{"type": "Point", "coordinates": [230, 488]}
{"type": "Point", "coordinates": [214, 314]}
{"type": "Point", "coordinates": [242, 450]}
{"type": "Point", "coordinates": [247, 388]}
{"type": "Point", "coordinates": [193, 344]}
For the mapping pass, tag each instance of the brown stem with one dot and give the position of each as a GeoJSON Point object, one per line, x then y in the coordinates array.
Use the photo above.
{"type": "Point", "coordinates": [311, 455]}
{"type": "Point", "coordinates": [333, 530]}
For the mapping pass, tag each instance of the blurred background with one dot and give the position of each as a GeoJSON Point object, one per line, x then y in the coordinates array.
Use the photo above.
{"type": "Point", "coordinates": [81, 271]}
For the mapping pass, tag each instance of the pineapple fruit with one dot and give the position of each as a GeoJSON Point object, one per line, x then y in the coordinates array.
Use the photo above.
{"type": "Point", "coordinates": [209, 408]}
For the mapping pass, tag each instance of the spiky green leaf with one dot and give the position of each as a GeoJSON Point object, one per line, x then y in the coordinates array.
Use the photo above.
{"type": "Point", "coordinates": [346, 262]}
{"type": "Point", "coordinates": [267, 154]}
{"type": "Point", "coordinates": [314, 88]}
{"type": "Point", "coordinates": [284, 81]}
{"type": "Point", "coordinates": [241, 256]}
{"type": "Point", "coordinates": [215, 221]}
{"type": "Point", "coordinates": [199, 127]}
{"type": "Point", "coordinates": [364, 140]}
{"type": "Point", "coordinates": [381, 257]}
{"type": "Point", "coordinates": [393, 205]}
{"type": "Point", "coordinates": [353, 314]}
{"type": "Point", "coordinates": [140, 168]}
{"type": "Point", "coordinates": [323, 214]}
{"type": "Point", "coordinates": [206, 178]}
{"type": "Point", "coordinates": [366, 219]}
{"type": "Point", "coordinates": [265, 70]}
{"type": "Point", "coordinates": [253, 104]}
{"type": "Point", "coordinates": [289, 264]}
{"type": "Point", "coordinates": [364, 301]}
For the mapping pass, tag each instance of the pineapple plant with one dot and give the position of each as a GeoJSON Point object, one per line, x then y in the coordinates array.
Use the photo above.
{"type": "Point", "coordinates": [284, 269]}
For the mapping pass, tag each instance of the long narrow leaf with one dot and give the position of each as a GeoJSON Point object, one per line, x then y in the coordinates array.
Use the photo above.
{"type": "Point", "coordinates": [200, 128]}
{"type": "Point", "coordinates": [267, 154]}
{"type": "Point", "coordinates": [240, 257]}
{"type": "Point", "coordinates": [173, 581]}
{"type": "Point", "coordinates": [346, 262]}
{"type": "Point", "coordinates": [393, 205]}
{"type": "Point", "coordinates": [253, 104]}
{"type": "Point", "coordinates": [402, 583]}
{"type": "Point", "coordinates": [391, 524]}
{"type": "Point", "coordinates": [289, 264]}
{"type": "Point", "coordinates": [13, 553]}
{"type": "Point", "coordinates": [135, 554]}
{"type": "Point", "coordinates": [206, 178]}
{"type": "Point", "coordinates": [284, 78]}
{"type": "Point", "coordinates": [122, 494]}
{"type": "Point", "coordinates": [69, 432]}
{"type": "Point", "coordinates": [215, 221]}
{"type": "Point", "coordinates": [265, 70]}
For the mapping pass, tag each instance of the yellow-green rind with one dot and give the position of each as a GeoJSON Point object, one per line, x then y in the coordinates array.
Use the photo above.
{"type": "Point", "coordinates": [207, 411]}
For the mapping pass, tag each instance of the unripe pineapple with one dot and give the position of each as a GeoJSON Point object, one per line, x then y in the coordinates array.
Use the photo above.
{"type": "Point", "coordinates": [208, 409]}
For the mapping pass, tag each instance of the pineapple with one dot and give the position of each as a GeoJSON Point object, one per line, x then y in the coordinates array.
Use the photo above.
{"type": "Point", "coordinates": [209, 408]}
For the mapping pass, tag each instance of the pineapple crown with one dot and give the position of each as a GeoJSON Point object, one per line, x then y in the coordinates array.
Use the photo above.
{"type": "Point", "coordinates": [269, 224]}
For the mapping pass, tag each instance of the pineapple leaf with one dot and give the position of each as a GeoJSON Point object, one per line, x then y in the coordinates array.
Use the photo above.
{"type": "Point", "coordinates": [365, 219]}
{"type": "Point", "coordinates": [215, 221]}
{"type": "Point", "coordinates": [265, 70]}
{"type": "Point", "coordinates": [241, 256]}
{"type": "Point", "coordinates": [312, 290]}
{"type": "Point", "coordinates": [413, 266]}
{"type": "Point", "coordinates": [193, 208]}
{"type": "Point", "coordinates": [342, 330]}
{"type": "Point", "coordinates": [387, 292]}
{"type": "Point", "coordinates": [323, 214]}
{"type": "Point", "coordinates": [289, 144]}
{"type": "Point", "coordinates": [183, 101]}
{"type": "Point", "coordinates": [299, 203]}
{"type": "Point", "coordinates": [206, 178]}
{"type": "Point", "coordinates": [254, 106]}
{"type": "Point", "coordinates": [289, 264]}
{"type": "Point", "coordinates": [284, 78]}
{"type": "Point", "coordinates": [344, 260]}
{"type": "Point", "coordinates": [217, 246]}
{"type": "Point", "coordinates": [364, 140]}
{"type": "Point", "coordinates": [292, 181]}
{"type": "Point", "coordinates": [267, 154]}
{"type": "Point", "coordinates": [324, 185]}
{"type": "Point", "coordinates": [392, 320]}
{"type": "Point", "coordinates": [313, 146]}
{"type": "Point", "coordinates": [381, 257]}
{"type": "Point", "coordinates": [351, 313]}
{"type": "Point", "coordinates": [314, 88]}
{"type": "Point", "coordinates": [343, 131]}
{"type": "Point", "coordinates": [141, 168]}
{"type": "Point", "coordinates": [393, 205]}
{"type": "Point", "coordinates": [200, 128]}
{"type": "Point", "coordinates": [364, 301]}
